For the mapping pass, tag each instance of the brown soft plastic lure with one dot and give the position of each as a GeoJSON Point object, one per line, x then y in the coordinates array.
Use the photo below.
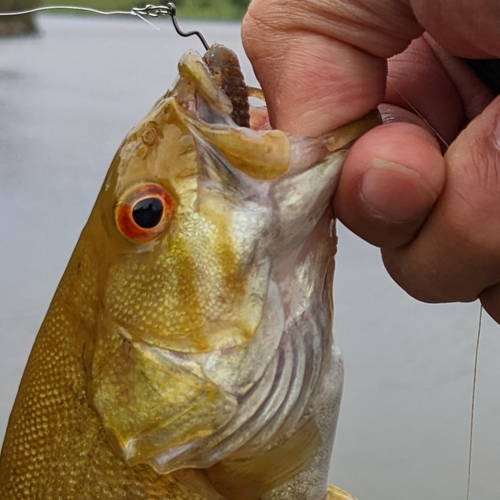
{"type": "Point", "coordinates": [225, 68]}
{"type": "Point", "coordinates": [187, 353]}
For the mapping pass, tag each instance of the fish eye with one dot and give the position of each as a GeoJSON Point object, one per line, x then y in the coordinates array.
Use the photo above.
{"type": "Point", "coordinates": [147, 213]}
{"type": "Point", "coordinates": [144, 212]}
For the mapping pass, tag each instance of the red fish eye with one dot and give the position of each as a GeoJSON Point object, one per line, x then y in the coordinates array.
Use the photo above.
{"type": "Point", "coordinates": [144, 212]}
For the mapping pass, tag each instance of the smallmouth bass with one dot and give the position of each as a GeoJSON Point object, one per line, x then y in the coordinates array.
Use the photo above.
{"type": "Point", "coordinates": [187, 353]}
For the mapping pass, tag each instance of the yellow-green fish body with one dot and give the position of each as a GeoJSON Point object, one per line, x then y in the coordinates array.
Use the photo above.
{"type": "Point", "coordinates": [187, 353]}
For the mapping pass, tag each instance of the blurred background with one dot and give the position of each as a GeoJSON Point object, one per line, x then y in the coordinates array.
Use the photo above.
{"type": "Point", "coordinates": [68, 96]}
{"type": "Point", "coordinates": [19, 25]}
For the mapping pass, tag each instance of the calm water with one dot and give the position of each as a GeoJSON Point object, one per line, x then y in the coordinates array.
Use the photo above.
{"type": "Point", "coordinates": [66, 101]}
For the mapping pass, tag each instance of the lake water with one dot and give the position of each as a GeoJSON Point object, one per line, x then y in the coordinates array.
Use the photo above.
{"type": "Point", "coordinates": [67, 99]}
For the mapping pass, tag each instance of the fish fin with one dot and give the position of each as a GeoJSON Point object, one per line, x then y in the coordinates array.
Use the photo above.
{"type": "Point", "coordinates": [249, 478]}
{"type": "Point", "coordinates": [198, 482]}
{"type": "Point", "coordinates": [335, 493]}
{"type": "Point", "coordinates": [255, 92]}
{"type": "Point", "coordinates": [341, 137]}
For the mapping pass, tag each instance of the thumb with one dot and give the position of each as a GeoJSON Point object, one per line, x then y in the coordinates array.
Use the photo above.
{"type": "Point", "coordinates": [456, 255]}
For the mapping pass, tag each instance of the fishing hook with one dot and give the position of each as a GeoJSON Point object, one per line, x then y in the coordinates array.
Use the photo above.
{"type": "Point", "coordinates": [168, 10]}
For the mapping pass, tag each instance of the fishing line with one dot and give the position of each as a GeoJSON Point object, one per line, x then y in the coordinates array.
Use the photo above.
{"type": "Point", "coordinates": [420, 115]}
{"type": "Point", "coordinates": [474, 380]}
{"type": "Point", "coordinates": [82, 9]}
{"type": "Point", "coordinates": [480, 322]}
{"type": "Point", "coordinates": [141, 12]}
{"type": "Point", "coordinates": [69, 7]}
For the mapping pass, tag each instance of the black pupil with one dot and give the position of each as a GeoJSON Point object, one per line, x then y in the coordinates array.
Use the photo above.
{"type": "Point", "coordinates": [147, 213]}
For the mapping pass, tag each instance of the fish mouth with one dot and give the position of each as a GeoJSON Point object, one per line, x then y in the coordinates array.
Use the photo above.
{"type": "Point", "coordinates": [216, 98]}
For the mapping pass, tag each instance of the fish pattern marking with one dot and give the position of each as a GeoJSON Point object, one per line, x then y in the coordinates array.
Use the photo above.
{"type": "Point", "coordinates": [192, 359]}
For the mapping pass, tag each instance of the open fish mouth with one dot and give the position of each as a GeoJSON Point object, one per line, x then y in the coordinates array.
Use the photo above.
{"type": "Point", "coordinates": [199, 94]}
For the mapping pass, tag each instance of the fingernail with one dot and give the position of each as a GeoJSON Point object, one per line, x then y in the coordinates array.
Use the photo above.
{"type": "Point", "coordinates": [395, 193]}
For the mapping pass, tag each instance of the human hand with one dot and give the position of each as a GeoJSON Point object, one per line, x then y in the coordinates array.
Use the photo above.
{"type": "Point", "coordinates": [323, 63]}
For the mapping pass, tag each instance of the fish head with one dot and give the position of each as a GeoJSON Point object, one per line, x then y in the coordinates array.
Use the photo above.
{"type": "Point", "coordinates": [196, 230]}
{"type": "Point", "coordinates": [185, 224]}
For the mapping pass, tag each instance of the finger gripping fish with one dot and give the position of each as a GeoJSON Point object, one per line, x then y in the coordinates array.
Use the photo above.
{"type": "Point", "coordinates": [187, 353]}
